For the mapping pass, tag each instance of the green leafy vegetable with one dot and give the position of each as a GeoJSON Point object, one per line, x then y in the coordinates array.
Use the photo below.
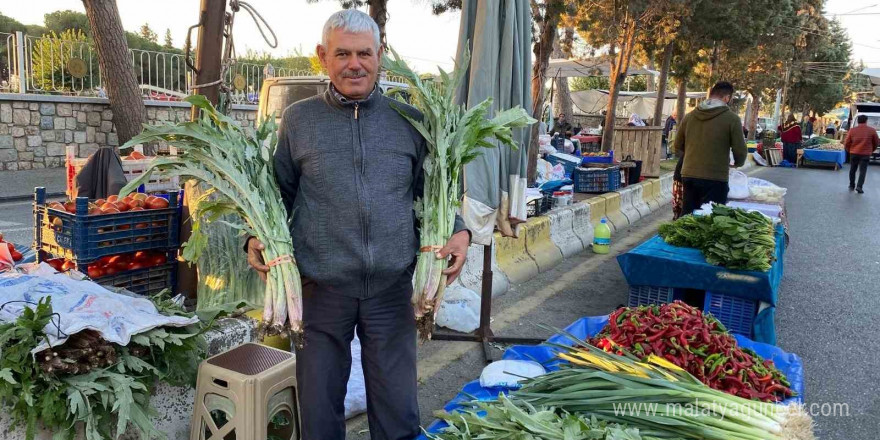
{"type": "Point", "coordinates": [455, 135]}
{"type": "Point", "coordinates": [104, 400]}
{"type": "Point", "coordinates": [238, 166]}
{"type": "Point", "coordinates": [729, 237]}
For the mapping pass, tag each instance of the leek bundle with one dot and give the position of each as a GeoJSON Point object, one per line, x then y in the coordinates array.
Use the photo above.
{"type": "Point", "coordinates": [239, 168]}
{"type": "Point", "coordinates": [454, 137]}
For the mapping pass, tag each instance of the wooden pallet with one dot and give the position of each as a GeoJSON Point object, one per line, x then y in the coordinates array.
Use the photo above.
{"type": "Point", "coordinates": [773, 156]}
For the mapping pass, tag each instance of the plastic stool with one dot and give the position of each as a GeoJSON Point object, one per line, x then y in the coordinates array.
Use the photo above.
{"type": "Point", "coordinates": [247, 393]}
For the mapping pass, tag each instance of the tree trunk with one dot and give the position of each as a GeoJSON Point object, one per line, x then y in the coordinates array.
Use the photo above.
{"type": "Point", "coordinates": [661, 87]}
{"type": "Point", "coordinates": [115, 66]}
{"type": "Point", "coordinates": [618, 75]}
{"type": "Point", "coordinates": [542, 49]}
{"type": "Point", "coordinates": [713, 62]}
{"type": "Point", "coordinates": [752, 122]}
{"type": "Point", "coordinates": [562, 103]}
{"type": "Point", "coordinates": [379, 12]}
{"type": "Point", "coordinates": [651, 85]}
{"type": "Point", "coordinates": [681, 104]}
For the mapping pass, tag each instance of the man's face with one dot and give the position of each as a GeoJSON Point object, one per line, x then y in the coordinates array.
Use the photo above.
{"type": "Point", "coordinates": [562, 116]}
{"type": "Point", "coordinates": [352, 62]}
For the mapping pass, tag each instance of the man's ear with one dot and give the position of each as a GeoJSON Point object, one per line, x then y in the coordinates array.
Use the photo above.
{"type": "Point", "coordinates": [321, 51]}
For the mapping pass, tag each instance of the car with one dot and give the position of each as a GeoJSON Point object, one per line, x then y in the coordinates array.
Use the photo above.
{"type": "Point", "coordinates": [280, 92]}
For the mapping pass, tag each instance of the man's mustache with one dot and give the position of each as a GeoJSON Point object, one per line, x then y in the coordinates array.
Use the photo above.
{"type": "Point", "coordinates": [354, 74]}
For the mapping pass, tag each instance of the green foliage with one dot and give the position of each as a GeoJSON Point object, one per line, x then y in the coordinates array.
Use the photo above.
{"type": "Point", "coordinates": [105, 401]}
{"type": "Point", "coordinates": [51, 55]}
{"type": "Point", "coordinates": [821, 87]}
{"type": "Point", "coordinates": [294, 62]}
{"type": "Point", "coordinates": [60, 21]}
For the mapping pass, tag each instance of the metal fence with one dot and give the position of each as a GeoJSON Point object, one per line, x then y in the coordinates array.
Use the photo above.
{"type": "Point", "coordinates": [54, 66]}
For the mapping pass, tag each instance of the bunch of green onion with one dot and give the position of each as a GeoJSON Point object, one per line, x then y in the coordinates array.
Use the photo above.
{"type": "Point", "coordinates": [239, 169]}
{"type": "Point", "coordinates": [659, 398]}
{"type": "Point", "coordinates": [454, 137]}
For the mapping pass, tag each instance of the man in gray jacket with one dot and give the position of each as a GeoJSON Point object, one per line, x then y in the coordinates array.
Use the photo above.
{"type": "Point", "coordinates": [350, 168]}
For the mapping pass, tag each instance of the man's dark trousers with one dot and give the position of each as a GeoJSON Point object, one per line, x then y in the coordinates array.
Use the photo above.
{"type": "Point", "coordinates": [700, 191]}
{"type": "Point", "coordinates": [386, 328]}
{"type": "Point", "coordinates": [859, 161]}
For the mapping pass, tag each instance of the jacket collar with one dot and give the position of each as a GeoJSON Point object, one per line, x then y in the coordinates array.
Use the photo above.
{"type": "Point", "coordinates": [339, 101]}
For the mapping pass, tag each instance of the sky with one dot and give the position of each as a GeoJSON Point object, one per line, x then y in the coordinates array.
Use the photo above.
{"type": "Point", "coordinates": [425, 40]}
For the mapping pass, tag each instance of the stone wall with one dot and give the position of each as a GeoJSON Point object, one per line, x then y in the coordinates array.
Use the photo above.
{"type": "Point", "coordinates": [36, 129]}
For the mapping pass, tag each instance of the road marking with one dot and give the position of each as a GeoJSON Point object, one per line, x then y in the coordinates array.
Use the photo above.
{"type": "Point", "coordinates": [11, 230]}
{"type": "Point", "coordinates": [453, 351]}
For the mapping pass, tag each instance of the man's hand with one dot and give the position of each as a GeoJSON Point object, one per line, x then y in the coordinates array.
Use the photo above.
{"type": "Point", "coordinates": [457, 246]}
{"type": "Point", "coordinates": [255, 257]}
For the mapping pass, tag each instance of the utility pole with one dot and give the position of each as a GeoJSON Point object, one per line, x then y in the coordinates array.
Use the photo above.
{"type": "Point", "coordinates": [208, 67]}
{"type": "Point", "coordinates": [209, 50]}
{"type": "Point", "coordinates": [785, 90]}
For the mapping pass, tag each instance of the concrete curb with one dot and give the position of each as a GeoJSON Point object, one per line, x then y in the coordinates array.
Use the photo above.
{"type": "Point", "coordinates": [651, 194]}
{"type": "Point", "coordinates": [597, 210]}
{"type": "Point", "coordinates": [613, 212]}
{"type": "Point", "coordinates": [639, 198]}
{"type": "Point", "coordinates": [539, 245]}
{"type": "Point", "coordinates": [513, 258]}
{"type": "Point", "coordinates": [627, 205]}
{"type": "Point", "coordinates": [582, 224]}
{"type": "Point", "coordinates": [562, 231]}
{"type": "Point", "coordinates": [471, 276]}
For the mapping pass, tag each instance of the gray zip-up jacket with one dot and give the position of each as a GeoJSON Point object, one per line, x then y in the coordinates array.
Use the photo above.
{"type": "Point", "coordinates": [349, 173]}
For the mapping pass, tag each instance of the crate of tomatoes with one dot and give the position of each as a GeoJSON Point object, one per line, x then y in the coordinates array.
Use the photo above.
{"type": "Point", "coordinates": [84, 230]}
{"type": "Point", "coordinates": [142, 272]}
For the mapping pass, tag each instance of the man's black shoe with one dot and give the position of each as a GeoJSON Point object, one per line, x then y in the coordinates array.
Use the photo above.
{"type": "Point", "coordinates": [860, 191]}
{"type": "Point", "coordinates": [852, 187]}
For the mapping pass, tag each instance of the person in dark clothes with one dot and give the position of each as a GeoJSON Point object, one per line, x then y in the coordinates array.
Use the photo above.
{"type": "Point", "coordinates": [860, 143]}
{"type": "Point", "coordinates": [667, 128]}
{"type": "Point", "coordinates": [562, 126]}
{"type": "Point", "coordinates": [356, 273]}
{"type": "Point", "coordinates": [791, 139]}
{"type": "Point", "coordinates": [704, 141]}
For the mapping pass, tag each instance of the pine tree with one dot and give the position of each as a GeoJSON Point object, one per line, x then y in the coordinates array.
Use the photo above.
{"type": "Point", "coordinates": [169, 44]}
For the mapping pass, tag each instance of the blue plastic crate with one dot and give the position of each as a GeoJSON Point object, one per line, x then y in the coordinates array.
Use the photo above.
{"type": "Point", "coordinates": [84, 238]}
{"type": "Point", "coordinates": [647, 295]}
{"type": "Point", "coordinates": [598, 159]}
{"type": "Point", "coordinates": [737, 314]}
{"type": "Point", "coordinates": [596, 180]}
{"type": "Point", "coordinates": [147, 282]}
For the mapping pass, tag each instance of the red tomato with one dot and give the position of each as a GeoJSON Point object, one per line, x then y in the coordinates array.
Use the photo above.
{"type": "Point", "coordinates": [95, 272]}
{"type": "Point", "coordinates": [56, 263]}
{"type": "Point", "coordinates": [68, 265]}
{"type": "Point", "coordinates": [16, 255]}
{"type": "Point", "coordinates": [111, 270]}
{"type": "Point", "coordinates": [158, 259]}
{"type": "Point", "coordinates": [122, 206]}
{"type": "Point", "coordinates": [135, 266]}
{"type": "Point", "coordinates": [112, 199]}
{"type": "Point", "coordinates": [10, 246]}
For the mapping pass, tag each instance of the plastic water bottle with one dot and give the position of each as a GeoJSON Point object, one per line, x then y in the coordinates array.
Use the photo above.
{"type": "Point", "coordinates": [602, 238]}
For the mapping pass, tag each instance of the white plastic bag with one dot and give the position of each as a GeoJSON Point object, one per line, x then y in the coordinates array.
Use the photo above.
{"type": "Point", "coordinates": [508, 373]}
{"type": "Point", "coordinates": [356, 393]}
{"type": "Point", "coordinates": [460, 310]}
{"type": "Point", "coordinates": [739, 185]}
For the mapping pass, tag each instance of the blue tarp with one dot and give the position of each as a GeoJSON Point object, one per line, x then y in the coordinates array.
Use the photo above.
{"type": "Point", "coordinates": [656, 263]}
{"type": "Point", "coordinates": [830, 156]}
{"type": "Point", "coordinates": [788, 363]}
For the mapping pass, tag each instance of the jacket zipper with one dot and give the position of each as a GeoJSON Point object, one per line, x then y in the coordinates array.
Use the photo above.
{"type": "Point", "coordinates": [364, 217]}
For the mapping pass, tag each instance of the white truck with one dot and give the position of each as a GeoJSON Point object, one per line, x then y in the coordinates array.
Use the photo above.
{"type": "Point", "coordinates": [280, 92]}
{"type": "Point", "coordinates": [872, 111]}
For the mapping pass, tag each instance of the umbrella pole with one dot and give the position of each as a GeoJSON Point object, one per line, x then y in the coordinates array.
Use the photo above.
{"type": "Point", "coordinates": [484, 334]}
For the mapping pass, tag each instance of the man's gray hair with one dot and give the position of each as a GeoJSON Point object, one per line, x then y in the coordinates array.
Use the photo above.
{"type": "Point", "coordinates": [353, 21]}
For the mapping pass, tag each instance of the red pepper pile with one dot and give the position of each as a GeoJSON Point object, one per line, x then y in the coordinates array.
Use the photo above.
{"type": "Point", "coordinates": [699, 344]}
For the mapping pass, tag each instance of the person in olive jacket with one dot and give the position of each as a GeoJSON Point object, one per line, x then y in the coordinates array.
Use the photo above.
{"type": "Point", "coordinates": [704, 141]}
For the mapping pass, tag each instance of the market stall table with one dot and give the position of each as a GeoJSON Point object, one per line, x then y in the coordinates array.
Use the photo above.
{"type": "Point", "coordinates": [788, 363]}
{"type": "Point", "coordinates": [816, 157]}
